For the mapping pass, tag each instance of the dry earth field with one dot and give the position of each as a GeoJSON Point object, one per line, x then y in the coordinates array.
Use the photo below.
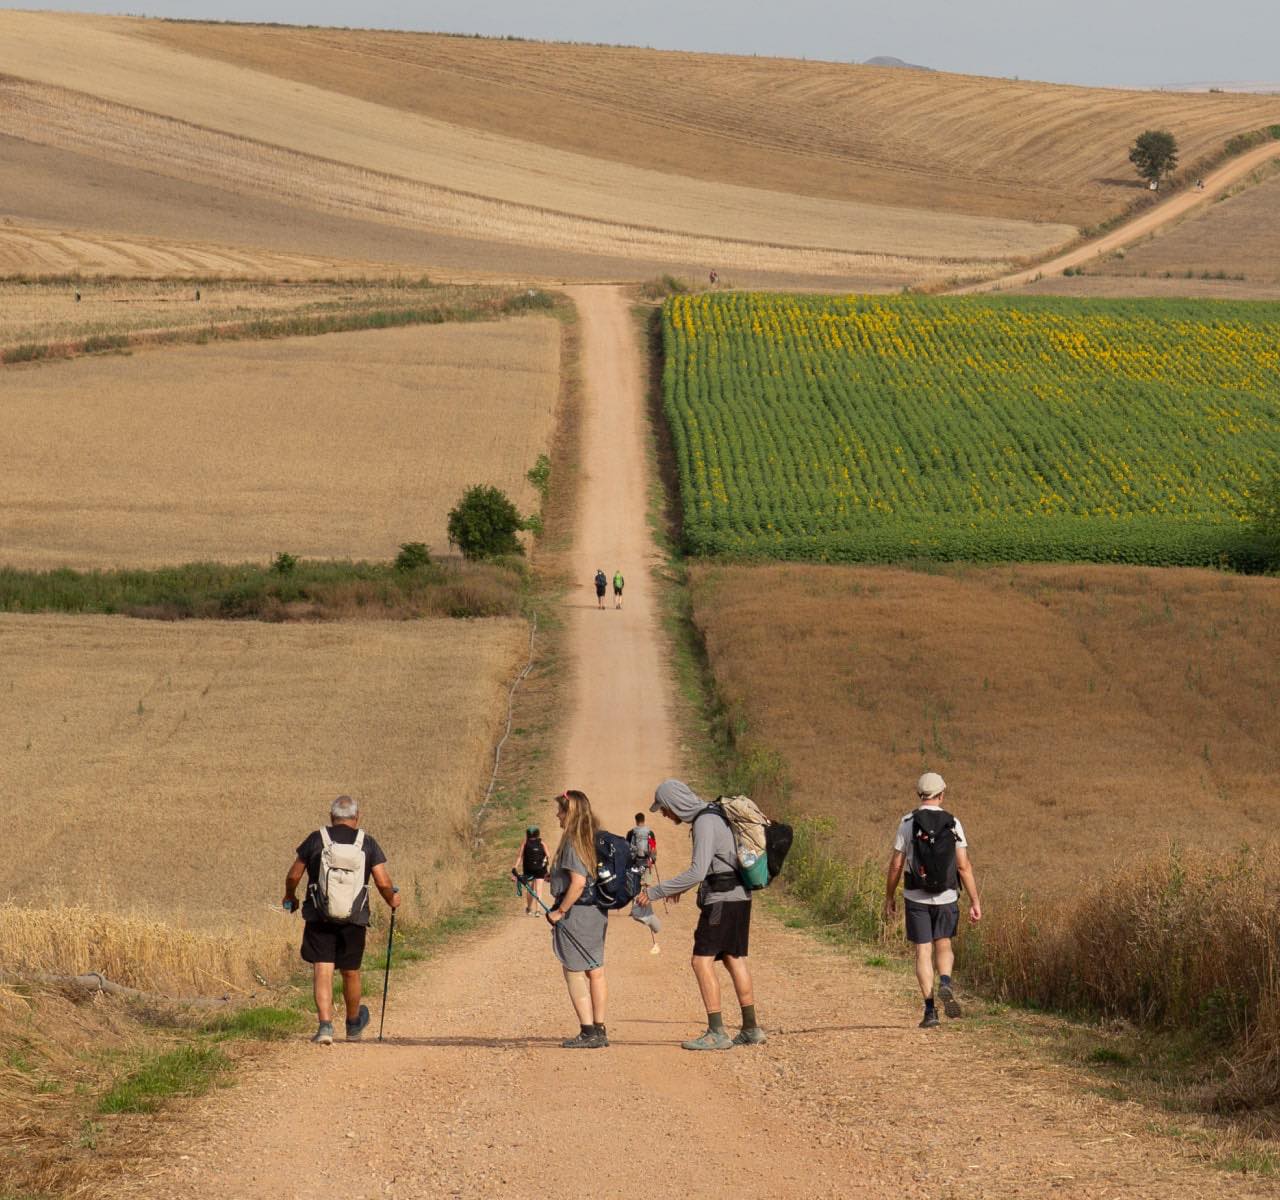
{"type": "Point", "coordinates": [342, 446]}
{"type": "Point", "coordinates": [1073, 700]}
{"type": "Point", "coordinates": [1238, 236]}
{"type": "Point", "coordinates": [167, 770]}
{"type": "Point", "coordinates": [572, 157]}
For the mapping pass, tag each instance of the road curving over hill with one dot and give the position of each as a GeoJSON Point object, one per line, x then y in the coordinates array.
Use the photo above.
{"type": "Point", "coordinates": [472, 1096]}
{"type": "Point", "coordinates": [1149, 221]}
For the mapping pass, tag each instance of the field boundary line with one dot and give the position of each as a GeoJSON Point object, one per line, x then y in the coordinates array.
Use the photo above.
{"type": "Point", "coordinates": [502, 741]}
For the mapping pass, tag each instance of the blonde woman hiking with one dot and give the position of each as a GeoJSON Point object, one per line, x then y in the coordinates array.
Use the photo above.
{"type": "Point", "coordinates": [578, 929]}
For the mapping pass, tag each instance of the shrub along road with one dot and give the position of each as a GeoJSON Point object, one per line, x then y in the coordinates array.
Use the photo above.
{"type": "Point", "coordinates": [472, 1096]}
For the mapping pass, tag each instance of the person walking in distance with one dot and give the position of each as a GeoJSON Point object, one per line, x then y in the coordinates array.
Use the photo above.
{"type": "Point", "coordinates": [531, 866]}
{"type": "Point", "coordinates": [644, 847]}
{"type": "Point", "coordinates": [618, 581]}
{"type": "Point", "coordinates": [724, 926]}
{"type": "Point", "coordinates": [601, 583]}
{"type": "Point", "coordinates": [338, 860]}
{"type": "Point", "coordinates": [930, 845]}
{"type": "Point", "coordinates": [578, 929]}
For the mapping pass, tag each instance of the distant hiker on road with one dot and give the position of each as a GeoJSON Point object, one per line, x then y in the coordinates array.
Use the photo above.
{"type": "Point", "coordinates": [644, 846]}
{"type": "Point", "coordinates": [338, 861]}
{"type": "Point", "coordinates": [931, 845]}
{"type": "Point", "coordinates": [578, 930]}
{"type": "Point", "coordinates": [617, 589]}
{"type": "Point", "coordinates": [532, 867]}
{"type": "Point", "coordinates": [601, 584]}
{"type": "Point", "coordinates": [714, 278]}
{"type": "Point", "coordinates": [724, 927]}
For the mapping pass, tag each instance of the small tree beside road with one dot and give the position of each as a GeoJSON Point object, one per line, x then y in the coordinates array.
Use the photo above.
{"type": "Point", "coordinates": [1154, 154]}
{"type": "Point", "coordinates": [485, 523]}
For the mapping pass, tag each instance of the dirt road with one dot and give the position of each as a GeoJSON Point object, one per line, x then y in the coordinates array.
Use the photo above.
{"type": "Point", "coordinates": [472, 1096]}
{"type": "Point", "coordinates": [1173, 209]}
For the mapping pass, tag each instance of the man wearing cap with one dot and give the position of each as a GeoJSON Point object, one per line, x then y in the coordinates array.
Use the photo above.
{"type": "Point", "coordinates": [724, 926]}
{"type": "Point", "coordinates": [532, 865]}
{"type": "Point", "coordinates": [932, 906]}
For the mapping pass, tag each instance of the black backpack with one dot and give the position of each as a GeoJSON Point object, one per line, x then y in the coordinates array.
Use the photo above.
{"type": "Point", "coordinates": [933, 851]}
{"type": "Point", "coordinates": [535, 856]}
{"type": "Point", "coordinates": [617, 879]}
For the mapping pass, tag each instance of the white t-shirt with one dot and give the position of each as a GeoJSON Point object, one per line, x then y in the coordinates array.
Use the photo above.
{"type": "Point", "coordinates": [902, 845]}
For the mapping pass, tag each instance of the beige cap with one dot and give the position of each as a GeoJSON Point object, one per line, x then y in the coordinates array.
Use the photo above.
{"type": "Point", "coordinates": [930, 784]}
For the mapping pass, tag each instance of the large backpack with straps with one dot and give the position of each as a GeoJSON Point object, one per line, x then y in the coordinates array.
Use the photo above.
{"type": "Point", "coordinates": [341, 882]}
{"type": "Point", "coordinates": [761, 844]}
{"type": "Point", "coordinates": [534, 860]}
{"type": "Point", "coordinates": [933, 851]}
{"type": "Point", "coordinates": [617, 880]}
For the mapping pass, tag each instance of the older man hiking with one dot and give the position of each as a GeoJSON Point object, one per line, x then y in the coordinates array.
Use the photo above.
{"type": "Point", "coordinates": [930, 844]}
{"type": "Point", "coordinates": [724, 926]}
{"type": "Point", "coordinates": [339, 861]}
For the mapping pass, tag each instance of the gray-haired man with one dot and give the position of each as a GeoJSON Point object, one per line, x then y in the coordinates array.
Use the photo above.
{"type": "Point", "coordinates": [929, 839]}
{"type": "Point", "coordinates": [330, 944]}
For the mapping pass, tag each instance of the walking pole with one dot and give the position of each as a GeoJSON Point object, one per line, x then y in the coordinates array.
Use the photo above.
{"type": "Point", "coordinates": [386, 973]}
{"type": "Point", "coordinates": [546, 909]}
{"type": "Point", "coordinates": [666, 908]}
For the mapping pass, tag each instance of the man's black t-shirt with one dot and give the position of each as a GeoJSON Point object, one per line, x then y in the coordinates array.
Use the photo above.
{"type": "Point", "coordinates": [309, 852]}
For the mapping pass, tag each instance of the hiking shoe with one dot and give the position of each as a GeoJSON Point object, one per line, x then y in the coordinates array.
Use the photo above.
{"type": "Point", "coordinates": [713, 1039]}
{"type": "Point", "coordinates": [586, 1041]}
{"type": "Point", "coordinates": [356, 1028]}
{"type": "Point", "coordinates": [950, 1005]}
{"type": "Point", "coordinates": [324, 1034]}
{"type": "Point", "coordinates": [930, 1020]}
{"type": "Point", "coordinates": [750, 1037]}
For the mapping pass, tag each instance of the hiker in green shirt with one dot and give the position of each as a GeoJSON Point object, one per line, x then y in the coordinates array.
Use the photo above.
{"type": "Point", "coordinates": [617, 589]}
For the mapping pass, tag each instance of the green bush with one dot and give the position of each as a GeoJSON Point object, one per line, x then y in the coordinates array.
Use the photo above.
{"type": "Point", "coordinates": [485, 523]}
{"type": "Point", "coordinates": [413, 556]}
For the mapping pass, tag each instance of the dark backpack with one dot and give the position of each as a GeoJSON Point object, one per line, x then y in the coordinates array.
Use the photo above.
{"type": "Point", "coordinates": [933, 851]}
{"type": "Point", "coordinates": [535, 856]}
{"type": "Point", "coordinates": [617, 878]}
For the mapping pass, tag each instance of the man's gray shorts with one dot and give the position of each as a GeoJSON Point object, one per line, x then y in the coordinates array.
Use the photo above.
{"type": "Point", "coordinates": [928, 922]}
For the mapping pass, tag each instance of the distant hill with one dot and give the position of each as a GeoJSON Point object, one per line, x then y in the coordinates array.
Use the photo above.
{"type": "Point", "coordinates": [887, 60]}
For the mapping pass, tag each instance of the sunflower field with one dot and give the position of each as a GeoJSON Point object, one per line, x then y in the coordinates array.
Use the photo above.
{"type": "Point", "coordinates": [876, 428]}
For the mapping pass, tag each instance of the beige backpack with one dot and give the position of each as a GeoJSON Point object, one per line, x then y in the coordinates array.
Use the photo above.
{"type": "Point", "coordinates": [342, 878]}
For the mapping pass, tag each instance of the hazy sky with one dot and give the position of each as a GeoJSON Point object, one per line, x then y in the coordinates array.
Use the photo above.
{"type": "Point", "coordinates": [1133, 42]}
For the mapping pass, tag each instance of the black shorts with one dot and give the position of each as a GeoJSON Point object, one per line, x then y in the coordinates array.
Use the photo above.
{"type": "Point", "coordinates": [723, 929]}
{"type": "Point", "coordinates": [929, 922]}
{"type": "Point", "coordinates": [342, 945]}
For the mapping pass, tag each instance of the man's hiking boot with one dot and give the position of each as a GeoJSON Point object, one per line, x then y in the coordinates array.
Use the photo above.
{"type": "Point", "coordinates": [930, 1020]}
{"type": "Point", "coordinates": [713, 1039]}
{"type": "Point", "coordinates": [950, 1005]}
{"type": "Point", "coordinates": [750, 1037]}
{"type": "Point", "coordinates": [586, 1041]}
{"type": "Point", "coordinates": [356, 1028]}
{"type": "Point", "coordinates": [324, 1034]}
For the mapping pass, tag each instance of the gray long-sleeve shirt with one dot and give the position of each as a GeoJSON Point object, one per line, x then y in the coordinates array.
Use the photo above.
{"type": "Point", "coordinates": [713, 848]}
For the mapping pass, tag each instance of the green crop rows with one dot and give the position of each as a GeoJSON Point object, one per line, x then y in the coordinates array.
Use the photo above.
{"type": "Point", "coordinates": [1034, 428]}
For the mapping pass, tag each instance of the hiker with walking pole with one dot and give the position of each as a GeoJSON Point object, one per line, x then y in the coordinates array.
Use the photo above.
{"type": "Point", "coordinates": [531, 868]}
{"type": "Point", "coordinates": [724, 926]}
{"type": "Point", "coordinates": [930, 844]}
{"type": "Point", "coordinates": [578, 924]}
{"type": "Point", "coordinates": [338, 860]}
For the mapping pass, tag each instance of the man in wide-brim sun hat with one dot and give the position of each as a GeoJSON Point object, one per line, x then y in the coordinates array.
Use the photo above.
{"type": "Point", "coordinates": [930, 845]}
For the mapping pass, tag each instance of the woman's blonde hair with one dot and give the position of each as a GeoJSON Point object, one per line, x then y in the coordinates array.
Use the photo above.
{"type": "Point", "coordinates": [579, 829]}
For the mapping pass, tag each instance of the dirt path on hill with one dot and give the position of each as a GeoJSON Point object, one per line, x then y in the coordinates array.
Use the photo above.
{"type": "Point", "coordinates": [471, 1096]}
{"type": "Point", "coordinates": [1176, 207]}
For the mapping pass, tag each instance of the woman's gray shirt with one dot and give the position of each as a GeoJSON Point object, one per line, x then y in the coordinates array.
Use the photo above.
{"type": "Point", "coordinates": [585, 922]}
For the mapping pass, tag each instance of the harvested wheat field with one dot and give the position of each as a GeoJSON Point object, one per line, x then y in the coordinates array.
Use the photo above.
{"type": "Point", "coordinates": [244, 131]}
{"type": "Point", "coordinates": [1076, 698]}
{"type": "Point", "coordinates": [167, 770]}
{"type": "Point", "coordinates": [342, 446]}
{"type": "Point", "coordinates": [994, 147]}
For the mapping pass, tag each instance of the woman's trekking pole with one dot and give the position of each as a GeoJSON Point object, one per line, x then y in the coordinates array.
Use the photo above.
{"type": "Point", "coordinates": [577, 945]}
{"type": "Point", "coordinates": [386, 973]}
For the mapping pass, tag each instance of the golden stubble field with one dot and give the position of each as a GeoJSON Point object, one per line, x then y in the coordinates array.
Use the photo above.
{"type": "Point", "coordinates": [167, 771]}
{"type": "Point", "coordinates": [341, 446]}
{"type": "Point", "coordinates": [246, 131]}
{"type": "Point", "coordinates": [1082, 715]}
